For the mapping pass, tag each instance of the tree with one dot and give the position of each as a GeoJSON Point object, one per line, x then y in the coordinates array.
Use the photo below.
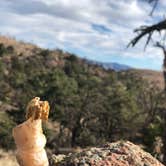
{"type": "Point", "coordinates": [149, 31]}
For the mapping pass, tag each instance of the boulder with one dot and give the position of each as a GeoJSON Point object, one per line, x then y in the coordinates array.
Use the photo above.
{"type": "Point", "coordinates": [120, 153]}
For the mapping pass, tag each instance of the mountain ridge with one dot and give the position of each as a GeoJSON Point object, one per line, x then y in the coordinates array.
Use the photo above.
{"type": "Point", "coordinates": [24, 49]}
{"type": "Point", "coordinates": [110, 65]}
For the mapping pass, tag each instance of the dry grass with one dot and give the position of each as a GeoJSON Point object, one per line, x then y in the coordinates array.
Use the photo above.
{"type": "Point", "coordinates": [152, 76]}
{"type": "Point", "coordinates": [7, 158]}
{"type": "Point", "coordinates": [19, 46]}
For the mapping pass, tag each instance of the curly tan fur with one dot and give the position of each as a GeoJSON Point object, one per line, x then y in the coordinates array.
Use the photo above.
{"type": "Point", "coordinates": [37, 109]}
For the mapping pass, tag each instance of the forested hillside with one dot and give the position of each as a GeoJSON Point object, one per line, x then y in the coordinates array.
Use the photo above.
{"type": "Point", "coordinates": [89, 105]}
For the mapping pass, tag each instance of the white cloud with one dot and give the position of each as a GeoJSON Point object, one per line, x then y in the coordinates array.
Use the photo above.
{"type": "Point", "coordinates": [69, 24]}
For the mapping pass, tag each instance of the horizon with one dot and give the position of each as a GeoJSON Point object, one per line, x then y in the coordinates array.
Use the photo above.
{"type": "Point", "coordinates": [99, 34]}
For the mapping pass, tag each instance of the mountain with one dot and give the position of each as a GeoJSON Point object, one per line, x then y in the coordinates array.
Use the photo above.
{"type": "Point", "coordinates": [111, 65]}
{"type": "Point", "coordinates": [152, 76]}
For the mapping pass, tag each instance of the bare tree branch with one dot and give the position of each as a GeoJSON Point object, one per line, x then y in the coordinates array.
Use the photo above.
{"type": "Point", "coordinates": [159, 45]}
{"type": "Point", "coordinates": [147, 30]}
{"type": "Point", "coordinates": [155, 5]}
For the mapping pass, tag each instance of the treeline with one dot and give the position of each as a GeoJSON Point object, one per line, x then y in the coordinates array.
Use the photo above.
{"type": "Point", "coordinates": [90, 105]}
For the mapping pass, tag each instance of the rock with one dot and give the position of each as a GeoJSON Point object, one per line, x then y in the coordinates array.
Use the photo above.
{"type": "Point", "coordinates": [112, 154]}
{"type": "Point", "coordinates": [58, 158]}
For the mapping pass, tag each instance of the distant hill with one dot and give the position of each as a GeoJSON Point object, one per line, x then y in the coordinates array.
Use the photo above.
{"type": "Point", "coordinates": [84, 96]}
{"type": "Point", "coordinates": [111, 65]}
{"type": "Point", "coordinates": [19, 47]}
{"type": "Point", "coordinates": [58, 58]}
{"type": "Point", "coordinates": [152, 76]}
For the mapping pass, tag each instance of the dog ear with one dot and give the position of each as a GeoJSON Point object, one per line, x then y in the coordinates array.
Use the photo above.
{"type": "Point", "coordinates": [37, 109]}
{"type": "Point", "coordinates": [33, 109]}
{"type": "Point", "coordinates": [45, 110]}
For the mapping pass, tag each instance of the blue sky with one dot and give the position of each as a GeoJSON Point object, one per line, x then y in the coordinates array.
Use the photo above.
{"type": "Point", "coordinates": [94, 29]}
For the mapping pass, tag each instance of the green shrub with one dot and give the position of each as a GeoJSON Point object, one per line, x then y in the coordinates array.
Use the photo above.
{"type": "Point", "coordinates": [6, 126]}
{"type": "Point", "coordinates": [2, 49]}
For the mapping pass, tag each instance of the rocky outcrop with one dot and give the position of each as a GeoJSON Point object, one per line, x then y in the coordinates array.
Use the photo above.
{"type": "Point", "coordinates": [113, 154]}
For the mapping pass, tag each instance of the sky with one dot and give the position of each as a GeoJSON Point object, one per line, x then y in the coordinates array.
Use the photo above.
{"type": "Point", "coordinates": [94, 29]}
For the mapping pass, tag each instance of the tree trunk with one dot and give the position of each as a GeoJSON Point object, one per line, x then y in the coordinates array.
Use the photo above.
{"type": "Point", "coordinates": [75, 131]}
{"type": "Point", "coordinates": [73, 138]}
{"type": "Point", "coordinates": [164, 128]}
{"type": "Point", "coordinates": [164, 140]}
